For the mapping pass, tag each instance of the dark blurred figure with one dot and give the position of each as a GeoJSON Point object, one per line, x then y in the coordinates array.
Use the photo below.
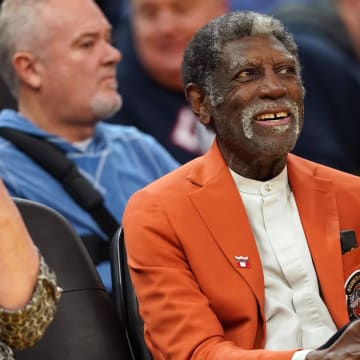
{"type": "Point", "coordinates": [328, 36]}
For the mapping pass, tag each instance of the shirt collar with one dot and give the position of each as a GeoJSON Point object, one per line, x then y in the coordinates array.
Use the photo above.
{"type": "Point", "coordinates": [256, 187]}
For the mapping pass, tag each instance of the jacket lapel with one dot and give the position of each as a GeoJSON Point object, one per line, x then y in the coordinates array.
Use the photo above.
{"type": "Point", "coordinates": [219, 204]}
{"type": "Point", "coordinates": [318, 212]}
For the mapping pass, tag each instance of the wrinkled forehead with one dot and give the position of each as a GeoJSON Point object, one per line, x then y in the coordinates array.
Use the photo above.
{"type": "Point", "coordinates": [254, 49]}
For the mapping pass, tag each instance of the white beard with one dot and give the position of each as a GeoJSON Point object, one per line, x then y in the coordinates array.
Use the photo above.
{"type": "Point", "coordinates": [103, 106]}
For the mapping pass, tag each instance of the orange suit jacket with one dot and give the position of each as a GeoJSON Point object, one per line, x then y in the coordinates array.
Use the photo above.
{"type": "Point", "coordinates": [182, 234]}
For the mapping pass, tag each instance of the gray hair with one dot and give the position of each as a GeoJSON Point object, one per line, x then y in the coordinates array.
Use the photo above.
{"type": "Point", "coordinates": [203, 54]}
{"type": "Point", "coordinates": [19, 28]}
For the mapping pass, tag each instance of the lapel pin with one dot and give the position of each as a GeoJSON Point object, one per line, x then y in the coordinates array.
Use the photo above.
{"type": "Point", "coordinates": [242, 261]}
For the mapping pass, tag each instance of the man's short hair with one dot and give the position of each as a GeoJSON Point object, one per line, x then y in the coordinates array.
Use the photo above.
{"type": "Point", "coordinates": [203, 54]}
{"type": "Point", "coordinates": [19, 27]}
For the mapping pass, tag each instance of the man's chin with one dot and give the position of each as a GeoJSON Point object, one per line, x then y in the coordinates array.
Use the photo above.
{"type": "Point", "coordinates": [170, 80]}
{"type": "Point", "coordinates": [105, 106]}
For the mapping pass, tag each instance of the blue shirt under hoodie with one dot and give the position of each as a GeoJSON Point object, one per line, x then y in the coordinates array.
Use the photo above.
{"type": "Point", "coordinates": [118, 160]}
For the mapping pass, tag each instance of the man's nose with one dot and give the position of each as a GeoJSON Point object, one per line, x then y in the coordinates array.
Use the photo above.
{"type": "Point", "coordinates": [166, 21]}
{"type": "Point", "coordinates": [272, 87]}
{"type": "Point", "coordinates": [113, 54]}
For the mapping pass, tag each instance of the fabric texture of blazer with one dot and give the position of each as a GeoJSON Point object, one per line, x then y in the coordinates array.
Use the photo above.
{"type": "Point", "coordinates": [182, 234]}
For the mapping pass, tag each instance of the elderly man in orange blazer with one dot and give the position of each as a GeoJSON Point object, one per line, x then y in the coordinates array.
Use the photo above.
{"type": "Point", "coordinates": [247, 252]}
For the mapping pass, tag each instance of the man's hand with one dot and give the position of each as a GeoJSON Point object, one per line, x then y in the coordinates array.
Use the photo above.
{"type": "Point", "coordinates": [346, 347]}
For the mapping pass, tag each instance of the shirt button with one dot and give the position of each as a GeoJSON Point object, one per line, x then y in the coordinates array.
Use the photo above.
{"type": "Point", "coordinates": [268, 187]}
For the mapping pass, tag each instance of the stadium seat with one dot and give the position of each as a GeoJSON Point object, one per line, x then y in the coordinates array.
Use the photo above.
{"type": "Point", "coordinates": [86, 326]}
{"type": "Point", "coordinates": [125, 299]}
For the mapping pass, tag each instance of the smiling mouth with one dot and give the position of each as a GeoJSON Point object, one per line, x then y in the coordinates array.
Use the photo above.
{"type": "Point", "coordinates": [273, 116]}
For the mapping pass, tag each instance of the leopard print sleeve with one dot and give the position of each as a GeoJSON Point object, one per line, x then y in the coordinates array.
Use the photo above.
{"type": "Point", "coordinates": [5, 352]}
{"type": "Point", "coordinates": [22, 328]}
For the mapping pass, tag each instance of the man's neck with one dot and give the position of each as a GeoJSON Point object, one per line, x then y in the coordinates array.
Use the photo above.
{"type": "Point", "coordinates": [72, 131]}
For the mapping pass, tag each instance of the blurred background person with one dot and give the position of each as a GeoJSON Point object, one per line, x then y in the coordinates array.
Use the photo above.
{"type": "Point", "coordinates": [152, 44]}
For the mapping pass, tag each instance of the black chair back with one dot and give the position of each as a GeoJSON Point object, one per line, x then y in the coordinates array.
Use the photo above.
{"type": "Point", "coordinates": [86, 325]}
{"type": "Point", "coordinates": [125, 299]}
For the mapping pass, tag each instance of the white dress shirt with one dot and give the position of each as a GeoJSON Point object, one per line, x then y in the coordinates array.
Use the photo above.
{"type": "Point", "coordinates": [296, 316]}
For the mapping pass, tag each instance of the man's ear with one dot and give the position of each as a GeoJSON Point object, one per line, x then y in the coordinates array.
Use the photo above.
{"type": "Point", "coordinates": [196, 98]}
{"type": "Point", "coordinates": [27, 67]}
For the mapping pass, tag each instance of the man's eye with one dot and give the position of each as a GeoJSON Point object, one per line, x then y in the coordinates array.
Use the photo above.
{"type": "Point", "coordinates": [148, 13]}
{"type": "Point", "coordinates": [182, 8]}
{"type": "Point", "coordinates": [287, 70]}
{"type": "Point", "coordinates": [244, 75]}
{"type": "Point", "coordinates": [87, 44]}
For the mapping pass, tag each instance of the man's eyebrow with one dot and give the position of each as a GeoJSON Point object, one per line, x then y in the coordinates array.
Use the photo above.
{"type": "Point", "coordinates": [85, 35]}
{"type": "Point", "coordinates": [90, 34]}
{"type": "Point", "coordinates": [240, 62]}
{"type": "Point", "coordinates": [287, 59]}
